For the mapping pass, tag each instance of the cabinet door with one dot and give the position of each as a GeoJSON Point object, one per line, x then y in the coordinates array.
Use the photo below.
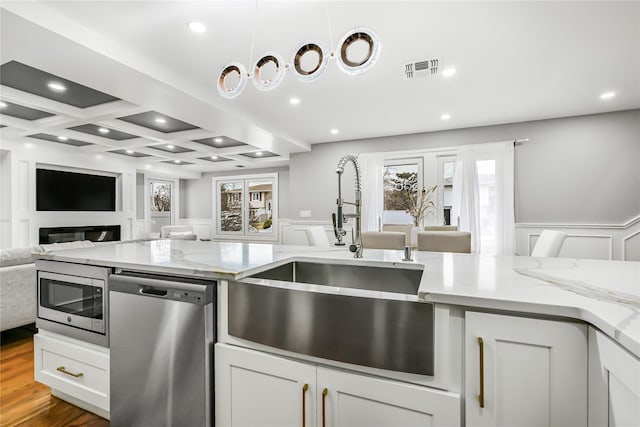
{"type": "Point", "coordinates": [614, 383]}
{"type": "Point", "coordinates": [355, 400]}
{"type": "Point", "coordinates": [256, 389]}
{"type": "Point", "coordinates": [530, 372]}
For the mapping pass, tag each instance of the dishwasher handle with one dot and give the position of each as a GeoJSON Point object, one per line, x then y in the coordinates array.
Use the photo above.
{"type": "Point", "coordinates": [162, 286]}
{"type": "Point", "coordinates": [154, 292]}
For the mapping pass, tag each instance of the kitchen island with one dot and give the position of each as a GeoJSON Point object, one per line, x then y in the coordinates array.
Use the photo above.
{"type": "Point", "coordinates": [474, 297]}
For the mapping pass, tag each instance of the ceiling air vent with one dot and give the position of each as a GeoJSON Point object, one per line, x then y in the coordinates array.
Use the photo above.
{"type": "Point", "coordinates": [426, 68]}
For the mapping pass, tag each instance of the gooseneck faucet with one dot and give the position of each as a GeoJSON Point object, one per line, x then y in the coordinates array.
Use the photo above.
{"type": "Point", "coordinates": [340, 218]}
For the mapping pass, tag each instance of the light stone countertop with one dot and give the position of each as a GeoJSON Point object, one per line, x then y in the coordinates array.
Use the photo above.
{"type": "Point", "coordinates": [605, 294]}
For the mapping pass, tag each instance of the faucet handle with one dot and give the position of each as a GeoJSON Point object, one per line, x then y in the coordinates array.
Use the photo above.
{"type": "Point", "coordinates": [407, 254]}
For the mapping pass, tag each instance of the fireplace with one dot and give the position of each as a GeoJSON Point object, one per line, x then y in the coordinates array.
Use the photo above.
{"type": "Point", "coordinates": [94, 233]}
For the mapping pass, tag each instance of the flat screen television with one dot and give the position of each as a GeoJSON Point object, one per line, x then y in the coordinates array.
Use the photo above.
{"type": "Point", "coordinates": [70, 191]}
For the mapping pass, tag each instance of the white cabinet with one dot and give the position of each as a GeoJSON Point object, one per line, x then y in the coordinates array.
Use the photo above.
{"type": "Point", "coordinates": [76, 371]}
{"type": "Point", "coordinates": [529, 372]}
{"type": "Point", "coordinates": [258, 389]}
{"type": "Point", "coordinates": [614, 383]}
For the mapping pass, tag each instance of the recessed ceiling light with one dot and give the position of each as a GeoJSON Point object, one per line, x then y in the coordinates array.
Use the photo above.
{"type": "Point", "coordinates": [63, 138]}
{"type": "Point", "coordinates": [445, 116]}
{"type": "Point", "coordinates": [98, 156]}
{"type": "Point", "coordinates": [197, 27]}
{"type": "Point", "coordinates": [258, 153]}
{"type": "Point", "coordinates": [214, 157]}
{"type": "Point", "coordinates": [160, 120]}
{"type": "Point", "coordinates": [217, 140]}
{"type": "Point", "coordinates": [57, 87]}
{"type": "Point", "coordinates": [147, 166]}
{"type": "Point", "coordinates": [176, 161]}
{"type": "Point", "coordinates": [448, 72]}
{"type": "Point", "coordinates": [3, 104]}
{"type": "Point", "coordinates": [103, 130]}
{"type": "Point", "coordinates": [170, 147]}
{"type": "Point", "coordinates": [334, 131]}
{"type": "Point", "coordinates": [28, 145]}
{"type": "Point", "coordinates": [129, 151]}
{"type": "Point", "coordinates": [607, 95]}
{"type": "Point", "coordinates": [294, 101]}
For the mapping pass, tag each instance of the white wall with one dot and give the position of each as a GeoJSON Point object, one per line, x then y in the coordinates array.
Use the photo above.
{"type": "Point", "coordinates": [573, 170]}
{"type": "Point", "coordinates": [25, 220]}
{"type": "Point", "coordinates": [197, 194]}
{"type": "Point", "coordinates": [578, 174]}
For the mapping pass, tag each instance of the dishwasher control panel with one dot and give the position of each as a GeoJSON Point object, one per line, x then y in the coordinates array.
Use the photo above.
{"type": "Point", "coordinates": [187, 296]}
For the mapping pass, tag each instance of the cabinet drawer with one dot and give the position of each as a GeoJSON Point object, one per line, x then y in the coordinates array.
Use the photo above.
{"type": "Point", "coordinates": [80, 372]}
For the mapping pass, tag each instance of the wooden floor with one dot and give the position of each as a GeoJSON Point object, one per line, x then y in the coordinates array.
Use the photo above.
{"type": "Point", "coordinates": [24, 402]}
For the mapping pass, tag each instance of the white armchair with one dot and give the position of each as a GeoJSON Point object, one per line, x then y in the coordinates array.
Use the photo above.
{"type": "Point", "coordinates": [184, 232]}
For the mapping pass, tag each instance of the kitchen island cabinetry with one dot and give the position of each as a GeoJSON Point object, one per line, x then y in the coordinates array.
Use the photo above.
{"type": "Point", "coordinates": [76, 371]}
{"type": "Point", "coordinates": [524, 372]}
{"type": "Point", "coordinates": [255, 388]}
{"type": "Point", "coordinates": [614, 383]}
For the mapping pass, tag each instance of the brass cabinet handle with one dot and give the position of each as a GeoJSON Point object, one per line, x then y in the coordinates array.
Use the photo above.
{"type": "Point", "coordinates": [481, 395]}
{"type": "Point", "coordinates": [304, 406]}
{"type": "Point", "coordinates": [324, 395]}
{"type": "Point", "coordinates": [64, 371]}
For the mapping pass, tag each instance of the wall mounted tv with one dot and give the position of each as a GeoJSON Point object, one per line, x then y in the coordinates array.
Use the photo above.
{"type": "Point", "coordinates": [70, 191]}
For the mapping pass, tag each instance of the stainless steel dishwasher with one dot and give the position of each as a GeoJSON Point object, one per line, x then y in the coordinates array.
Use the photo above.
{"type": "Point", "coordinates": [162, 332]}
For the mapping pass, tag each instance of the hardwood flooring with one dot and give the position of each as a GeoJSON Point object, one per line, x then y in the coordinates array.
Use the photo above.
{"type": "Point", "coordinates": [25, 402]}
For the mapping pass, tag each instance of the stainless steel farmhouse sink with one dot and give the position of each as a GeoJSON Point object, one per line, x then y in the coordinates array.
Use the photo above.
{"type": "Point", "coordinates": [387, 279]}
{"type": "Point", "coordinates": [390, 330]}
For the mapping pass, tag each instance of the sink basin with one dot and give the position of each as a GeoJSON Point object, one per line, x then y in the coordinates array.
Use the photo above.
{"type": "Point", "coordinates": [377, 330]}
{"type": "Point", "coordinates": [397, 280]}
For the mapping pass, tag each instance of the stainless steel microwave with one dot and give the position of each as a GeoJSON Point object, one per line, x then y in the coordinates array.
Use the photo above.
{"type": "Point", "coordinates": [73, 300]}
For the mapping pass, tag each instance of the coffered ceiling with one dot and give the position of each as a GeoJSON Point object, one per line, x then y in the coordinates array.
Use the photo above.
{"type": "Point", "coordinates": [153, 81]}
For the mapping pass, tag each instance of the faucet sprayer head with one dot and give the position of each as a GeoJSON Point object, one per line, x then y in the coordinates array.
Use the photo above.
{"type": "Point", "coordinates": [339, 170]}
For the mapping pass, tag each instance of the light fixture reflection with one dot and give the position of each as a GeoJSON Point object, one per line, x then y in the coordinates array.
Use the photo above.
{"type": "Point", "coordinates": [448, 72]}
{"type": "Point", "coordinates": [608, 95]}
{"type": "Point", "coordinates": [103, 130]}
{"type": "Point", "coordinates": [197, 27]}
{"type": "Point", "coordinates": [56, 87]}
{"type": "Point", "coordinates": [63, 138]}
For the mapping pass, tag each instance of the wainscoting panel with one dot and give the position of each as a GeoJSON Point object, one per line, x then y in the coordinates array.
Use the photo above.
{"type": "Point", "coordinates": [24, 235]}
{"type": "Point", "coordinates": [582, 246]}
{"type": "Point", "coordinates": [24, 185]}
{"type": "Point", "coordinates": [596, 241]}
{"type": "Point", "coordinates": [5, 234]}
{"type": "Point", "coordinates": [631, 247]}
{"type": "Point", "coordinates": [294, 232]}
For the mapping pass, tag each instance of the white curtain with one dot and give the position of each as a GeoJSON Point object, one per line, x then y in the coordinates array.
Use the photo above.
{"type": "Point", "coordinates": [465, 209]}
{"type": "Point", "coordinates": [481, 169]}
{"type": "Point", "coordinates": [505, 218]}
{"type": "Point", "coordinates": [371, 167]}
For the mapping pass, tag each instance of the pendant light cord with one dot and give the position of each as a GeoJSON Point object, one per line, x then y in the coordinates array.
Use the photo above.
{"type": "Point", "coordinates": [253, 38]}
{"type": "Point", "coordinates": [326, 8]}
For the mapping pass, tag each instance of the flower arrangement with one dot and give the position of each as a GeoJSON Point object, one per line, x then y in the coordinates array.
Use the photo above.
{"type": "Point", "coordinates": [420, 203]}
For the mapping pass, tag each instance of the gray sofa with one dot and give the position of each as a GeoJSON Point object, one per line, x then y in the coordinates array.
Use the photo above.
{"type": "Point", "coordinates": [18, 282]}
{"type": "Point", "coordinates": [17, 287]}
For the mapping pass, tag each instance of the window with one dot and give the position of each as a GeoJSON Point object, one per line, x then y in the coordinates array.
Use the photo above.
{"type": "Point", "coordinates": [245, 206]}
{"type": "Point", "coordinates": [446, 168]}
{"type": "Point", "coordinates": [160, 204]}
{"type": "Point", "coordinates": [488, 211]}
{"type": "Point", "coordinates": [401, 180]}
